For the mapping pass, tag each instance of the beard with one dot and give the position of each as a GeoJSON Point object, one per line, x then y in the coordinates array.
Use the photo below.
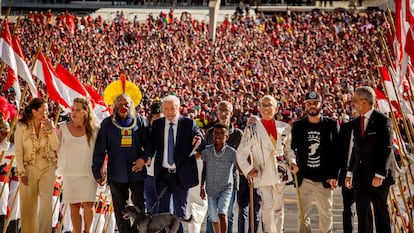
{"type": "Point", "coordinates": [315, 112]}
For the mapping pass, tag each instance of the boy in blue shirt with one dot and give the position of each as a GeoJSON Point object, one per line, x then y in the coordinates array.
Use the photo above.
{"type": "Point", "coordinates": [219, 160]}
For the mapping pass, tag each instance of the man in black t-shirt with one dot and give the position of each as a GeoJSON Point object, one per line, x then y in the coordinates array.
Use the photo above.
{"type": "Point", "coordinates": [314, 142]}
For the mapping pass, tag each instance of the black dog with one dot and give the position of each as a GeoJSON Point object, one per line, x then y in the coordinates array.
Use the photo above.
{"type": "Point", "coordinates": [146, 223]}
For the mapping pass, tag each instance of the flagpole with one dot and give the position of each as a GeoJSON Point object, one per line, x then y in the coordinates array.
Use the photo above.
{"type": "Point", "coordinates": [59, 109]}
{"type": "Point", "coordinates": [57, 200]}
{"type": "Point", "coordinates": [396, 93]}
{"type": "Point", "coordinates": [407, 127]}
{"type": "Point", "coordinates": [395, 210]}
{"type": "Point", "coordinates": [1, 72]}
{"type": "Point", "coordinates": [401, 171]}
{"type": "Point", "coordinates": [61, 219]}
{"type": "Point", "coordinates": [7, 175]}
{"type": "Point", "coordinates": [104, 206]}
{"type": "Point", "coordinates": [108, 217]}
{"type": "Point", "coordinates": [410, 128]}
{"type": "Point", "coordinates": [14, 121]}
{"type": "Point", "coordinates": [23, 96]}
{"type": "Point", "coordinates": [393, 118]}
{"type": "Point", "coordinates": [6, 225]}
{"type": "Point", "coordinates": [388, 56]}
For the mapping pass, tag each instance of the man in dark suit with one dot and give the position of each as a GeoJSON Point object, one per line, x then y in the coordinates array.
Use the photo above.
{"type": "Point", "coordinates": [174, 138]}
{"type": "Point", "coordinates": [346, 139]}
{"type": "Point", "coordinates": [371, 169]}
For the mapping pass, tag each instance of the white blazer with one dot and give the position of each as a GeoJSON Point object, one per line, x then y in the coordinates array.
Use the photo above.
{"type": "Point", "coordinates": [257, 145]}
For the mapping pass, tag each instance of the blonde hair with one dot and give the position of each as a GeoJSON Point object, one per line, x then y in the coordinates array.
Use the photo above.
{"type": "Point", "coordinates": [89, 119]}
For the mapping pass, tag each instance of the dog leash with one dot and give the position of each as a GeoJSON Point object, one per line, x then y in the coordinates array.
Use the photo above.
{"type": "Point", "coordinates": [158, 200]}
{"type": "Point", "coordinates": [165, 188]}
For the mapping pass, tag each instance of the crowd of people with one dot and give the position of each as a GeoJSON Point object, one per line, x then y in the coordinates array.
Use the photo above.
{"type": "Point", "coordinates": [283, 67]}
{"type": "Point", "coordinates": [283, 55]}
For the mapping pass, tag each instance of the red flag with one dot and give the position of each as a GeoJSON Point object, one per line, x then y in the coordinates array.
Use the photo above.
{"type": "Point", "coordinates": [388, 84]}
{"type": "Point", "coordinates": [382, 102]}
{"type": "Point", "coordinates": [7, 55]}
{"type": "Point", "coordinates": [71, 81]}
{"type": "Point", "coordinates": [94, 95]}
{"type": "Point", "coordinates": [12, 55]}
{"type": "Point", "coordinates": [100, 108]}
{"type": "Point", "coordinates": [398, 21]}
{"type": "Point", "coordinates": [44, 71]}
{"type": "Point", "coordinates": [22, 69]}
{"type": "Point", "coordinates": [409, 45]}
{"type": "Point", "coordinates": [10, 79]}
{"type": "Point", "coordinates": [408, 14]}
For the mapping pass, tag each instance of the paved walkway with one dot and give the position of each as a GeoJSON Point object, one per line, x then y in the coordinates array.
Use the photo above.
{"type": "Point", "coordinates": [291, 211]}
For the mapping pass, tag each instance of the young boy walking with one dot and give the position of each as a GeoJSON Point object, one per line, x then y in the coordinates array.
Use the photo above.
{"type": "Point", "coordinates": [219, 160]}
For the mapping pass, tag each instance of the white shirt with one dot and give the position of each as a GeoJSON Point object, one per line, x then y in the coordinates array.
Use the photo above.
{"type": "Point", "coordinates": [367, 115]}
{"type": "Point", "coordinates": [165, 154]}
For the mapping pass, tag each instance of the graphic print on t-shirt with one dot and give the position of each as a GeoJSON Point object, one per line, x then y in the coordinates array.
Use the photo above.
{"type": "Point", "coordinates": [314, 158]}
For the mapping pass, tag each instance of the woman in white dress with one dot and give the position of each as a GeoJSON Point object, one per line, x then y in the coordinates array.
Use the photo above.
{"type": "Point", "coordinates": [77, 141]}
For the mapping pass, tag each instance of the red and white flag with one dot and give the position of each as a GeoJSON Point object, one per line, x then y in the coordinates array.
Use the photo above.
{"type": "Point", "coordinates": [409, 47]}
{"type": "Point", "coordinates": [22, 69]}
{"type": "Point", "coordinates": [389, 88]}
{"type": "Point", "coordinates": [44, 71]}
{"type": "Point", "coordinates": [382, 102]}
{"type": "Point", "coordinates": [8, 57]}
{"type": "Point", "coordinates": [75, 87]}
{"type": "Point", "coordinates": [409, 14]}
{"type": "Point", "coordinates": [11, 53]}
{"type": "Point", "coordinates": [100, 108]}
{"type": "Point", "coordinates": [11, 79]}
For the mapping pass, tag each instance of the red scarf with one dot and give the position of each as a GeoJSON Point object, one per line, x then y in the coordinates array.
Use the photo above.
{"type": "Point", "coordinates": [270, 126]}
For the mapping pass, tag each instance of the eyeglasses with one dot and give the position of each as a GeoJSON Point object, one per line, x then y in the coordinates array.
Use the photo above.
{"type": "Point", "coordinates": [266, 105]}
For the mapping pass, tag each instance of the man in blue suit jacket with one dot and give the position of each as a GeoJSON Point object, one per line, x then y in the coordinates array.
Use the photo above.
{"type": "Point", "coordinates": [175, 175]}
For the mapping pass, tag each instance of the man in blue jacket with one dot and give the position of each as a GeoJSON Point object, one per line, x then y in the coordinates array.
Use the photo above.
{"type": "Point", "coordinates": [123, 137]}
{"type": "Point", "coordinates": [174, 138]}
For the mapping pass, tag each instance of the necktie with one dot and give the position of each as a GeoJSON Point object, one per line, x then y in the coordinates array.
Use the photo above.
{"type": "Point", "coordinates": [171, 144]}
{"type": "Point", "coordinates": [362, 126]}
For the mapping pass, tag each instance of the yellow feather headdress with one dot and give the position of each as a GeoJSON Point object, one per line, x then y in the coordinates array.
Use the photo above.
{"type": "Point", "coordinates": [122, 86]}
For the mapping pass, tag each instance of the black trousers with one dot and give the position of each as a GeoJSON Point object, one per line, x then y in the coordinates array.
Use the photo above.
{"type": "Point", "coordinates": [243, 200]}
{"type": "Point", "coordinates": [365, 195]}
{"type": "Point", "coordinates": [347, 214]}
{"type": "Point", "coordinates": [169, 186]}
{"type": "Point", "coordinates": [120, 196]}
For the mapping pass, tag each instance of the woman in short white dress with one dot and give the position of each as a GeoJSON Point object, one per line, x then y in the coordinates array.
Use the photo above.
{"type": "Point", "coordinates": [77, 141]}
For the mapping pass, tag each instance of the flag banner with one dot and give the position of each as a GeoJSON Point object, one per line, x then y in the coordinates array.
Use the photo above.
{"type": "Point", "coordinates": [44, 72]}
{"type": "Point", "coordinates": [12, 55]}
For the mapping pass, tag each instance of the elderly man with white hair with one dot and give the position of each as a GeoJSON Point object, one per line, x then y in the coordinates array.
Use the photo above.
{"type": "Point", "coordinates": [264, 156]}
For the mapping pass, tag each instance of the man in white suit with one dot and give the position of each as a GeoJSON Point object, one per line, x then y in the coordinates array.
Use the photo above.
{"type": "Point", "coordinates": [264, 147]}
